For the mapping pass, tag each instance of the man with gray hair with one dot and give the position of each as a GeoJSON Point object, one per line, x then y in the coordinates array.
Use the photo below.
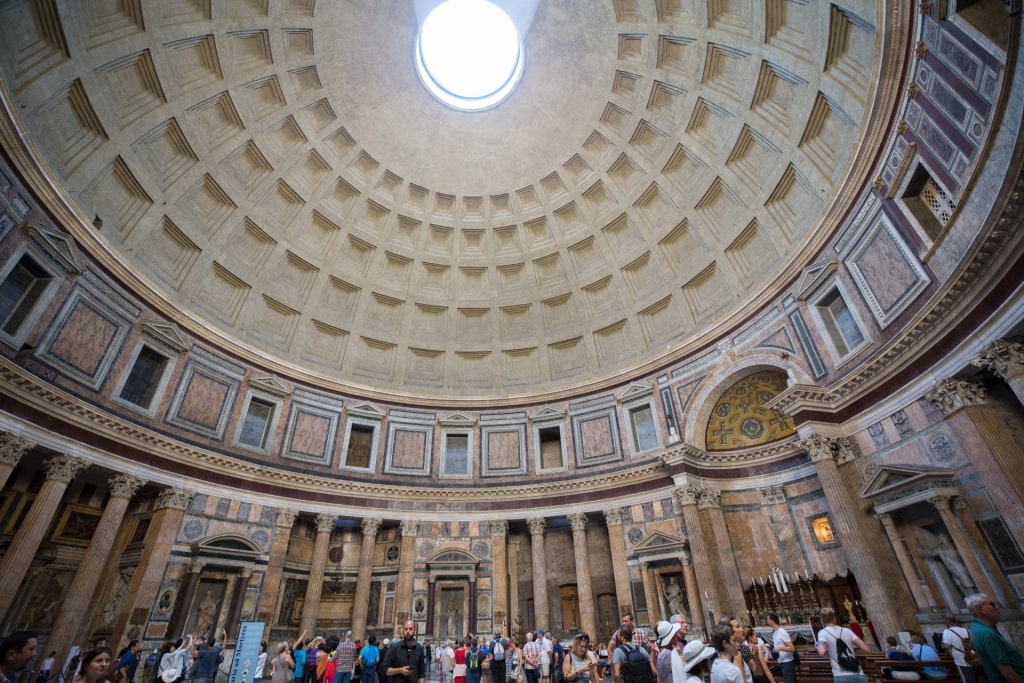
{"type": "Point", "coordinates": [345, 658]}
{"type": "Point", "coordinates": [497, 648]}
{"type": "Point", "coordinates": [1001, 660]}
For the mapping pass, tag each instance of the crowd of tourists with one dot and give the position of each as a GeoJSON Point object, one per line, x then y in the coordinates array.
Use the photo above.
{"type": "Point", "coordinates": [731, 653]}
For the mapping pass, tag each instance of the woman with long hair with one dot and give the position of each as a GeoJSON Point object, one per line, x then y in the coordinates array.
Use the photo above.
{"type": "Point", "coordinates": [282, 664]}
{"type": "Point", "coordinates": [94, 665]}
{"type": "Point", "coordinates": [580, 663]}
{"type": "Point", "coordinates": [758, 666]}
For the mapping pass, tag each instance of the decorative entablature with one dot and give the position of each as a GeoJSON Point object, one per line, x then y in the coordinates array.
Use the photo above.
{"type": "Point", "coordinates": [894, 487]}
{"type": "Point", "coordinates": [658, 545]}
{"type": "Point", "coordinates": [457, 421]}
{"type": "Point", "coordinates": [686, 456]}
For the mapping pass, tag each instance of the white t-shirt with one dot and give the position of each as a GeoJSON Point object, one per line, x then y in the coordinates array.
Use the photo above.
{"type": "Point", "coordinates": [545, 651]}
{"type": "Point", "coordinates": [780, 637]}
{"type": "Point", "coordinates": [724, 671]}
{"type": "Point", "coordinates": [828, 636]}
{"type": "Point", "coordinates": [953, 640]}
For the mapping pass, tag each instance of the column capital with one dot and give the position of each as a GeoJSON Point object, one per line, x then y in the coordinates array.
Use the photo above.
{"type": "Point", "coordinates": [64, 467]}
{"type": "Point", "coordinates": [941, 502]}
{"type": "Point", "coordinates": [285, 517]}
{"type": "Point", "coordinates": [13, 447]}
{"type": "Point", "coordinates": [1004, 357]}
{"type": "Point", "coordinates": [709, 498]}
{"type": "Point", "coordinates": [952, 394]}
{"type": "Point", "coordinates": [369, 526]}
{"type": "Point", "coordinates": [536, 525]}
{"type": "Point", "coordinates": [886, 519]}
{"type": "Point", "coordinates": [499, 527]}
{"type": "Point", "coordinates": [125, 485]}
{"type": "Point", "coordinates": [613, 517]}
{"type": "Point", "coordinates": [688, 494]}
{"type": "Point", "coordinates": [410, 527]}
{"type": "Point", "coordinates": [174, 498]}
{"type": "Point", "coordinates": [325, 523]}
{"type": "Point", "coordinates": [773, 494]}
{"type": "Point", "coordinates": [578, 521]}
{"type": "Point", "coordinates": [821, 447]}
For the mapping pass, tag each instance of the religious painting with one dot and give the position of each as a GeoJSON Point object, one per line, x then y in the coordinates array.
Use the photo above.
{"type": "Point", "coordinates": [44, 595]}
{"type": "Point", "coordinates": [206, 607]}
{"type": "Point", "coordinates": [822, 531]}
{"type": "Point", "coordinates": [77, 525]}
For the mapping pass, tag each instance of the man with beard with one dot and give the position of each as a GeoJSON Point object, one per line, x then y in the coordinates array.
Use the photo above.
{"type": "Point", "coordinates": [406, 661]}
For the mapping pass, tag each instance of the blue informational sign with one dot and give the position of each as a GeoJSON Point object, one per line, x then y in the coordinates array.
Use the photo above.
{"type": "Point", "coordinates": [247, 651]}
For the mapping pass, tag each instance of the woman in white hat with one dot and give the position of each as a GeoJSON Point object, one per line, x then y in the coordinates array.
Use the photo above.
{"type": "Point", "coordinates": [698, 658]}
{"type": "Point", "coordinates": [668, 635]}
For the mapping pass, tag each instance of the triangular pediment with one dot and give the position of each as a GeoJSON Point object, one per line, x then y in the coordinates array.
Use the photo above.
{"type": "Point", "coordinates": [457, 420]}
{"type": "Point", "coordinates": [60, 249]}
{"type": "Point", "coordinates": [548, 413]}
{"type": "Point", "coordinates": [891, 487]}
{"type": "Point", "coordinates": [165, 334]}
{"type": "Point", "coordinates": [365, 409]}
{"type": "Point", "coordinates": [658, 541]}
{"type": "Point", "coordinates": [814, 277]}
{"type": "Point", "coordinates": [635, 390]}
{"type": "Point", "coordinates": [270, 385]}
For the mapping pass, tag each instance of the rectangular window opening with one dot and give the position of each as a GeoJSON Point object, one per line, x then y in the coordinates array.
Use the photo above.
{"type": "Point", "coordinates": [360, 445]}
{"type": "Point", "coordinates": [19, 293]}
{"type": "Point", "coordinates": [456, 454]}
{"type": "Point", "coordinates": [144, 377]}
{"type": "Point", "coordinates": [256, 425]}
{"type": "Point", "coordinates": [645, 434]}
{"type": "Point", "coordinates": [550, 447]}
{"type": "Point", "coordinates": [839, 322]}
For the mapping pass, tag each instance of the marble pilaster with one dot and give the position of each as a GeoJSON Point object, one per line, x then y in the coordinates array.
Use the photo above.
{"type": "Point", "coordinates": [499, 571]}
{"type": "Point", "coordinates": [15, 562]}
{"type": "Point", "coordinates": [584, 589]}
{"type": "Point", "coordinates": [731, 588]}
{"type": "Point", "coordinates": [540, 576]}
{"type": "Point", "coordinates": [885, 594]}
{"type": "Point", "coordinates": [988, 444]}
{"type": "Point", "coordinates": [696, 615]}
{"type": "Point", "coordinates": [905, 561]}
{"type": "Point", "coordinates": [369, 528]}
{"type": "Point", "coordinates": [266, 608]}
{"type": "Point", "coordinates": [515, 612]}
{"type": "Point", "coordinates": [790, 552]}
{"type": "Point", "coordinates": [406, 567]}
{"type": "Point", "coordinates": [620, 570]}
{"type": "Point", "coordinates": [708, 598]}
{"type": "Point", "coordinates": [80, 592]}
{"type": "Point", "coordinates": [315, 586]}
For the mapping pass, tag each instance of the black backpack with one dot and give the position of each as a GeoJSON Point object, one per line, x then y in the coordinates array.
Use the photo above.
{"type": "Point", "coordinates": [844, 656]}
{"type": "Point", "coordinates": [637, 667]}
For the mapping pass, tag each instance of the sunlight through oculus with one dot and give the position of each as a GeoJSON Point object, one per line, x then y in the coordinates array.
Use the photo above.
{"type": "Point", "coordinates": [469, 54]}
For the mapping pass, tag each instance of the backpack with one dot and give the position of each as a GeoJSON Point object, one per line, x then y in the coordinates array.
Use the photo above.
{"type": "Point", "coordinates": [637, 667]}
{"type": "Point", "coordinates": [845, 658]}
{"type": "Point", "coordinates": [473, 660]}
{"type": "Point", "coordinates": [971, 657]}
{"type": "Point", "coordinates": [498, 651]}
{"type": "Point", "coordinates": [369, 655]}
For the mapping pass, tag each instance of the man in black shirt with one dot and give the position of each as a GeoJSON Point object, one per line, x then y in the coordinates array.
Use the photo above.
{"type": "Point", "coordinates": [405, 661]}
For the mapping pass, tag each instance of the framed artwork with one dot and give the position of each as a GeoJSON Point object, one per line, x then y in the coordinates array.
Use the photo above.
{"type": "Point", "coordinates": [18, 510]}
{"type": "Point", "coordinates": [77, 524]}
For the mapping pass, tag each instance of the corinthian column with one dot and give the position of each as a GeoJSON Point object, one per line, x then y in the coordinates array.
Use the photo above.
{"type": "Point", "coordinates": [315, 587]}
{"type": "Point", "coordinates": [906, 562]}
{"type": "Point", "coordinates": [284, 520]}
{"type": "Point", "coordinates": [699, 555]}
{"type": "Point", "coordinates": [540, 579]}
{"type": "Point", "coordinates": [1005, 358]}
{"type": "Point", "coordinates": [620, 570]}
{"type": "Point", "coordinates": [406, 567]}
{"type": "Point", "coordinates": [964, 548]}
{"type": "Point", "coordinates": [15, 562]}
{"type": "Point", "coordinates": [584, 591]}
{"type": "Point", "coordinates": [369, 527]}
{"type": "Point", "coordinates": [885, 594]}
{"type": "Point", "coordinates": [499, 571]}
{"type": "Point", "coordinates": [78, 597]}
{"type": "Point", "coordinates": [988, 444]}
{"type": "Point", "coordinates": [11, 449]}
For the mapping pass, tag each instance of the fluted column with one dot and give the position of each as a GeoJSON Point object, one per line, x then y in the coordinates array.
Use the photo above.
{"type": "Point", "coordinates": [144, 588]}
{"type": "Point", "coordinates": [11, 449]}
{"type": "Point", "coordinates": [584, 591]}
{"type": "Point", "coordinates": [711, 501]}
{"type": "Point", "coordinates": [708, 597]}
{"type": "Point", "coordinates": [884, 592]}
{"type": "Point", "coordinates": [651, 594]}
{"type": "Point", "coordinates": [1005, 358]}
{"type": "Point", "coordinates": [540, 578]}
{"type": "Point", "coordinates": [406, 566]}
{"type": "Point", "coordinates": [966, 551]}
{"type": "Point", "coordinates": [696, 615]}
{"type": "Point", "coordinates": [906, 562]}
{"type": "Point", "coordinates": [369, 527]}
{"type": "Point", "coordinates": [790, 552]}
{"type": "Point", "coordinates": [514, 610]}
{"type": "Point", "coordinates": [620, 570]}
{"type": "Point", "coordinates": [315, 586]}
{"type": "Point", "coordinates": [988, 443]}
{"type": "Point", "coordinates": [499, 571]}
{"type": "Point", "coordinates": [188, 586]}
{"type": "Point", "coordinates": [284, 521]}
{"type": "Point", "coordinates": [80, 593]}
{"type": "Point", "coordinates": [237, 599]}
{"type": "Point", "coordinates": [15, 562]}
